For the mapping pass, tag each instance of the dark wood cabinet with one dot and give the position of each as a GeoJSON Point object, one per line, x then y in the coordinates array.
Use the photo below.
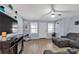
{"type": "Point", "coordinates": [9, 46]}
{"type": "Point", "coordinates": [12, 46]}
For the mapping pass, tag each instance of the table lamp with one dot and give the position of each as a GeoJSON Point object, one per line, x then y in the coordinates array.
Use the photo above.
{"type": "Point", "coordinates": [4, 35]}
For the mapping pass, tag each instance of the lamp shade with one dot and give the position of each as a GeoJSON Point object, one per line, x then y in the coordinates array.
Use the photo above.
{"type": "Point", "coordinates": [4, 35]}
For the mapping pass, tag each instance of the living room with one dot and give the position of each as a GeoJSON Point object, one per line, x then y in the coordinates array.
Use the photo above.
{"type": "Point", "coordinates": [39, 29]}
{"type": "Point", "coordinates": [44, 23]}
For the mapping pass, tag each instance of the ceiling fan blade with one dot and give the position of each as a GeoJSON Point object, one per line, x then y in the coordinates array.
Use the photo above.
{"type": "Point", "coordinates": [46, 14]}
{"type": "Point", "coordinates": [50, 12]}
{"type": "Point", "coordinates": [53, 9]}
{"type": "Point", "coordinates": [65, 11]}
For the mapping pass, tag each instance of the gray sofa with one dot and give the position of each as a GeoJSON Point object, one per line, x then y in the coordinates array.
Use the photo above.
{"type": "Point", "coordinates": [70, 40]}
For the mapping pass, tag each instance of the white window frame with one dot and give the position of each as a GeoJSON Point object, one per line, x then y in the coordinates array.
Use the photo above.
{"type": "Point", "coordinates": [34, 28]}
{"type": "Point", "coordinates": [51, 28]}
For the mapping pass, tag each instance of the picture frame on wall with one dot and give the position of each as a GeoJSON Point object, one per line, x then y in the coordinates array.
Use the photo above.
{"type": "Point", "coordinates": [76, 22]}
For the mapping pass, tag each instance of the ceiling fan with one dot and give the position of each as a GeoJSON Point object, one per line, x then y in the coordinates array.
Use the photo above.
{"type": "Point", "coordinates": [55, 12]}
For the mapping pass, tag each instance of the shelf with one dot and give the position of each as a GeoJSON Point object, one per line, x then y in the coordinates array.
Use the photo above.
{"type": "Point", "coordinates": [8, 16]}
{"type": "Point", "coordinates": [8, 11]}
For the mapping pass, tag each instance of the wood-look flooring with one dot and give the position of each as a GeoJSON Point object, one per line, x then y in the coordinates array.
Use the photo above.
{"type": "Point", "coordinates": [37, 46]}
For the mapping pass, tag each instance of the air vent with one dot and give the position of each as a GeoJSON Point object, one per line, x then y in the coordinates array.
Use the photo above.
{"type": "Point", "coordinates": [10, 6]}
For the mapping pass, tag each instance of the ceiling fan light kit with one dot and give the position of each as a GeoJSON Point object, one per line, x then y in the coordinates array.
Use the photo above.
{"type": "Point", "coordinates": [52, 15]}
{"type": "Point", "coordinates": [55, 13]}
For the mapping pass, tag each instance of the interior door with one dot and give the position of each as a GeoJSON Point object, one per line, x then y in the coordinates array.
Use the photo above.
{"type": "Point", "coordinates": [42, 30]}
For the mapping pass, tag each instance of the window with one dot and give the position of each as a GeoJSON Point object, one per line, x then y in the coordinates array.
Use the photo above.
{"type": "Point", "coordinates": [50, 27]}
{"type": "Point", "coordinates": [34, 27]}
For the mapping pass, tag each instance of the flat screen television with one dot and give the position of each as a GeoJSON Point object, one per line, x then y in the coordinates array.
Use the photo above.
{"type": "Point", "coordinates": [6, 23]}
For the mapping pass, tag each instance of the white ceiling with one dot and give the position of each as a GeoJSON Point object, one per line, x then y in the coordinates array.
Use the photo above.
{"type": "Point", "coordinates": [35, 11]}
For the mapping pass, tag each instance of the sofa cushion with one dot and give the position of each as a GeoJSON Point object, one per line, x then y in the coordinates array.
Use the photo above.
{"type": "Point", "coordinates": [74, 44]}
{"type": "Point", "coordinates": [72, 50]}
{"type": "Point", "coordinates": [76, 39]}
{"type": "Point", "coordinates": [71, 36]}
{"type": "Point", "coordinates": [61, 42]}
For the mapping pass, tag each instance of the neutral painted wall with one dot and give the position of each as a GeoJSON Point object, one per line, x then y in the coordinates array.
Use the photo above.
{"type": "Point", "coordinates": [63, 26]}
{"type": "Point", "coordinates": [74, 28]}
{"type": "Point", "coordinates": [20, 25]}
{"type": "Point", "coordinates": [42, 31]}
{"type": "Point", "coordinates": [67, 25]}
